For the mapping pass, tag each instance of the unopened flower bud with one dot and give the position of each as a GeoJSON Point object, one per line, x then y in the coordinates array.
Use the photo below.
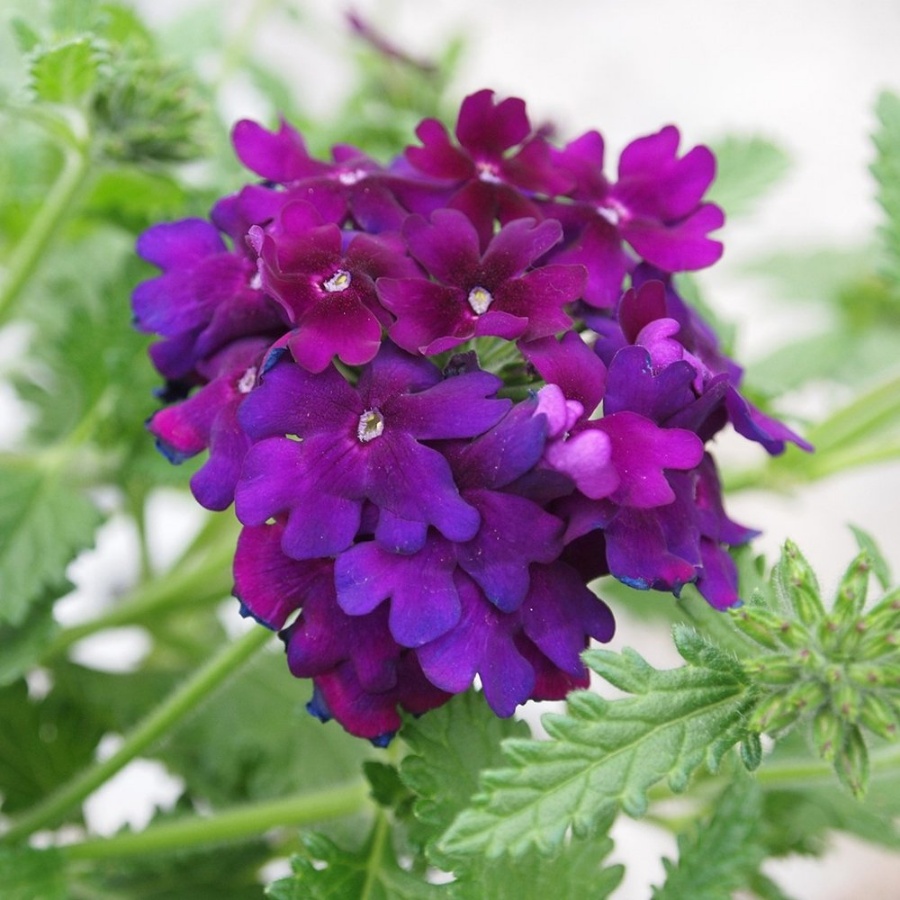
{"type": "Point", "coordinates": [773, 669]}
{"type": "Point", "coordinates": [751, 751]}
{"type": "Point", "coordinates": [828, 733]}
{"type": "Point", "coordinates": [800, 585]}
{"type": "Point", "coordinates": [758, 624]}
{"type": "Point", "coordinates": [806, 695]}
{"type": "Point", "coordinates": [845, 700]}
{"type": "Point", "coordinates": [772, 714]}
{"type": "Point", "coordinates": [851, 595]}
{"type": "Point", "coordinates": [852, 762]}
{"type": "Point", "coordinates": [880, 715]}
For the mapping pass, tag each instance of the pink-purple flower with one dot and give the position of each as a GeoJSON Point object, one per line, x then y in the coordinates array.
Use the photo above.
{"type": "Point", "coordinates": [447, 392]}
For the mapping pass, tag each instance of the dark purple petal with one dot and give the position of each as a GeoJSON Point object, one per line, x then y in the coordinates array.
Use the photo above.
{"type": "Point", "coordinates": [179, 245]}
{"type": "Point", "coordinates": [438, 156]}
{"type": "Point", "coordinates": [270, 585]}
{"type": "Point", "coordinates": [447, 246]}
{"type": "Point", "coordinates": [487, 129]}
{"type": "Point", "coordinates": [424, 602]}
{"type": "Point", "coordinates": [514, 533]}
{"type": "Point", "coordinates": [680, 247]}
{"type": "Point", "coordinates": [598, 248]}
{"type": "Point", "coordinates": [516, 246]}
{"type": "Point", "coordinates": [291, 400]}
{"type": "Point", "coordinates": [561, 613]}
{"type": "Point", "coordinates": [505, 452]}
{"type": "Point", "coordinates": [459, 406]}
{"type": "Point", "coordinates": [317, 483]}
{"type": "Point", "coordinates": [415, 482]}
{"type": "Point", "coordinates": [638, 555]}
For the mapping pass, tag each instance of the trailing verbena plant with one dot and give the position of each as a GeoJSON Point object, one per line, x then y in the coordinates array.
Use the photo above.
{"type": "Point", "coordinates": [448, 390]}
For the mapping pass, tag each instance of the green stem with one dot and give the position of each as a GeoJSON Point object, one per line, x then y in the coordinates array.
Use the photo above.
{"type": "Point", "coordinates": [240, 822]}
{"type": "Point", "coordinates": [803, 773]}
{"type": "Point", "coordinates": [155, 725]}
{"type": "Point", "coordinates": [194, 581]}
{"type": "Point", "coordinates": [26, 256]}
{"type": "Point", "coordinates": [373, 864]}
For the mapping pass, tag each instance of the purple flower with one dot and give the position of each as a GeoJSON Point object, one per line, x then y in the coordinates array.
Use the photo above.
{"type": "Point", "coordinates": [553, 625]}
{"type": "Point", "coordinates": [205, 298]}
{"type": "Point", "coordinates": [496, 167]}
{"type": "Point", "coordinates": [500, 292]}
{"type": "Point", "coordinates": [208, 420]}
{"type": "Point", "coordinates": [655, 206]}
{"type": "Point", "coordinates": [327, 289]}
{"type": "Point", "coordinates": [361, 443]}
{"type": "Point", "coordinates": [405, 529]}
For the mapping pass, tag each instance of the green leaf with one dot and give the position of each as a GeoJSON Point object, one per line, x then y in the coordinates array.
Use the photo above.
{"type": "Point", "coordinates": [23, 645]}
{"type": "Point", "coordinates": [605, 755]}
{"type": "Point", "coordinates": [886, 170]}
{"type": "Point", "coordinates": [44, 523]}
{"type": "Point", "coordinates": [747, 167]}
{"type": "Point", "coordinates": [720, 855]}
{"type": "Point", "coordinates": [449, 749]}
{"type": "Point", "coordinates": [43, 743]}
{"type": "Point", "coordinates": [65, 73]}
{"type": "Point", "coordinates": [324, 871]}
{"type": "Point", "coordinates": [32, 874]}
{"type": "Point", "coordinates": [577, 873]}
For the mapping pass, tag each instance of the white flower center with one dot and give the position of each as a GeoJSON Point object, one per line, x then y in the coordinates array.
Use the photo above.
{"type": "Point", "coordinates": [248, 380]}
{"type": "Point", "coordinates": [480, 299]}
{"type": "Point", "coordinates": [488, 172]}
{"type": "Point", "coordinates": [350, 178]}
{"type": "Point", "coordinates": [338, 282]}
{"type": "Point", "coordinates": [371, 426]}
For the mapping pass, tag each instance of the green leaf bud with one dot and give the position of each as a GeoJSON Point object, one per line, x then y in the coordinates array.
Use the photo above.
{"type": "Point", "coordinates": [806, 695]}
{"type": "Point", "coordinates": [846, 701]}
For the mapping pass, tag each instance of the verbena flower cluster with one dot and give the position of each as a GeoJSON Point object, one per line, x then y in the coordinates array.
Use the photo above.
{"type": "Point", "coordinates": [447, 393]}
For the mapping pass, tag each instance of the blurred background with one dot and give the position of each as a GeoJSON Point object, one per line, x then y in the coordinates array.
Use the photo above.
{"type": "Point", "coordinates": [804, 75]}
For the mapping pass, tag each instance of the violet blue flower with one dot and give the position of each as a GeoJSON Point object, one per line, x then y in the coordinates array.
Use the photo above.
{"type": "Point", "coordinates": [361, 443]}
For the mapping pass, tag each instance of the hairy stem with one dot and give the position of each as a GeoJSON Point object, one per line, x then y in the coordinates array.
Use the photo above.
{"type": "Point", "coordinates": [148, 731]}
{"type": "Point", "coordinates": [25, 258]}
{"type": "Point", "coordinates": [250, 820]}
{"type": "Point", "coordinates": [206, 582]}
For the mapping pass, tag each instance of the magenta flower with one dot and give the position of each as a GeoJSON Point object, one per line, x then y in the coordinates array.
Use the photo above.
{"type": "Point", "coordinates": [327, 290]}
{"type": "Point", "coordinates": [500, 292]}
{"type": "Point", "coordinates": [498, 164]}
{"type": "Point", "coordinates": [655, 206]}
{"type": "Point", "coordinates": [407, 527]}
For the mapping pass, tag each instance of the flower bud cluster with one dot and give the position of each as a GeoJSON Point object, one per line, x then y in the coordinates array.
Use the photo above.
{"type": "Point", "coordinates": [839, 670]}
{"type": "Point", "coordinates": [445, 394]}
